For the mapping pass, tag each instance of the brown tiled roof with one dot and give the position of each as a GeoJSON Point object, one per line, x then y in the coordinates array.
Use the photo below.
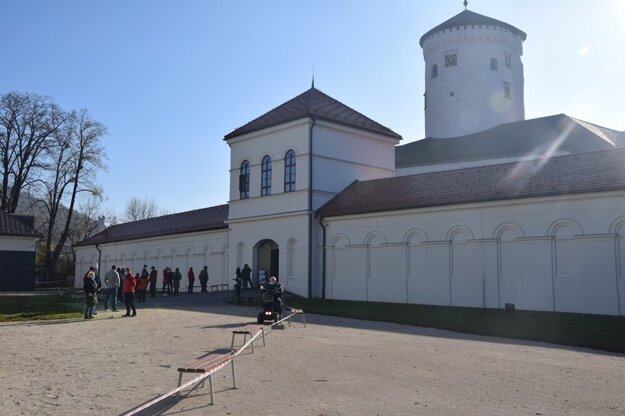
{"type": "Point", "coordinates": [571, 174]}
{"type": "Point", "coordinates": [527, 138]}
{"type": "Point", "coordinates": [469, 18]}
{"type": "Point", "coordinates": [205, 219]}
{"type": "Point", "coordinates": [313, 103]}
{"type": "Point", "coordinates": [16, 226]}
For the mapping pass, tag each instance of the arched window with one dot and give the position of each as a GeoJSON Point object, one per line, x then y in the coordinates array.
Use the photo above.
{"type": "Point", "coordinates": [244, 180]}
{"type": "Point", "coordinates": [265, 176]}
{"type": "Point", "coordinates": [289, 171]}
{"type": "Point", "coordinates": [434, 71]}
{"type": "Point", "coordinates": [493, 64]}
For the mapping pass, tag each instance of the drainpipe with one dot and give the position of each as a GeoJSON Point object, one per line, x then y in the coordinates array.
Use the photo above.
{"type": "Point", "coordinates": [323, 260]}
{"type": "Point", "coordinates": [310, 203]}
{"type": "Point", "coordinates": [99, 259]}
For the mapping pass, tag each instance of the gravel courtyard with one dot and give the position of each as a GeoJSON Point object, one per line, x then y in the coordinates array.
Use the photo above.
{"type": "Point", "coordinates": [334, 366]}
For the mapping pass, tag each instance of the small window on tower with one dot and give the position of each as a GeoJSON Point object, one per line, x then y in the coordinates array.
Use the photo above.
{"type": "Point", "coordinates": [508, 61]}
{"type": "Point", "coordinates": [434, 72]}
{"type": "Point", "coordinates": [451, 59]}
{"type": "Point", "coordinates": [506, 90]}
{"type": "Point", "coordinates": [493, 64]}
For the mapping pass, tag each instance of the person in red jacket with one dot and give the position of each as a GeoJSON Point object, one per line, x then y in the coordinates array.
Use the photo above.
{"type": "Point", "coordinates": [166, 281]}
{"type": "Point", "coordinates": [130, 283]}
{"type": "Point", "coordinates": [191, 277]}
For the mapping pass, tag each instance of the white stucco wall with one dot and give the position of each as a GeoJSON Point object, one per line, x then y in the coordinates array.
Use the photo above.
{"type": "Point", "coordinates": [342, 154]}
{"type": "Point", "coordinates": [183, 251]}
{"type": "Point", "coordinates": [562, 254]}
{"type": "Point", "coordinates": [275, 142]}
{"type": "Point", "coordinates": [289, 232]}
{"type": "Point", "coordinates": [10, 243]}
{"type": "Point", "coordinates": [469, 97]}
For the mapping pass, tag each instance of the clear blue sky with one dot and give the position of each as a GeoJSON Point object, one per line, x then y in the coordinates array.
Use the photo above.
{"type": "Point", "coordinates": [170, 78]}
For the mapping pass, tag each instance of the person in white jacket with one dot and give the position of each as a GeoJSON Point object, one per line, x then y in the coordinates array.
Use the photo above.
{"type": "Point", "coordinates": [111, 283]}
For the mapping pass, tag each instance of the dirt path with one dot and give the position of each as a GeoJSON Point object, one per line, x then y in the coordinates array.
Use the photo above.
{"type": "Point", "coordinates": [335, 366]}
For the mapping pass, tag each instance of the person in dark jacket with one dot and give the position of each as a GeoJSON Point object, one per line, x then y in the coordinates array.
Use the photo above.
{"type": "Point", "coordinates": [246, 276]}
{"type": "Point", "coordinates": [177, 277]}
{"type": "Point", "coordinates": [204, 279]}
{"type": "Point", "coordinates": [153, 277]}
{"type": "Point", "coordinates": [130, 283]}
{"type": "Point", "coordinates": [90, 288]}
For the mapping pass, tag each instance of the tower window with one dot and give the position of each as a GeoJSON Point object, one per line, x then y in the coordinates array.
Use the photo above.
{"type": "Point", "coordinates": [265, 176]}
{"type": "Point", "coordinates": [508, 59]}
{"type": "Point", "coordinates": [434, 71]}
{"type": "Point", "coordinates": [244, 180]}
{"type": "Point", "coordinates": [289, 171]}
{"type": "Point", "coordinates": [506, 90]}
{"type": "Point", "coordinates": [451, 60]}
{"type": "Point", "coordinates": [493, 64]}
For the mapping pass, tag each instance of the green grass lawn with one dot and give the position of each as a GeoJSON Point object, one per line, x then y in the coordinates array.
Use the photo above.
{"type": "Point", "coordinates": [591, 331]}
{"type": "Point", "coordinates": [36, 307]}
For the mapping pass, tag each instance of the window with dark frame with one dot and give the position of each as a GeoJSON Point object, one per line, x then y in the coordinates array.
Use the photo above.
{"type": "Point", "coordinates": [265, 176]}
{"type": "Point", "coordinates": [508, 61]}
{"type": "Point", "coordinates": [451, 59]}
{"type": "Point", "coordinates": [289, 171]}
{"type": "Point", "coordinates": [493, 64]}
{"type": "Point", "coordinates": [506, 90]}
{"type": "Point", "coordinates": [244, 180]}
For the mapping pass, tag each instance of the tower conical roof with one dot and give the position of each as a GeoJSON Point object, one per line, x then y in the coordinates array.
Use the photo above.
{"type": "Point", "coordinates": [469, 18]}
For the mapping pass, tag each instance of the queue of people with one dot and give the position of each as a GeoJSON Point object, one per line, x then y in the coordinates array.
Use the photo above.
{"type": "Point", "coordinates": [120, 285]}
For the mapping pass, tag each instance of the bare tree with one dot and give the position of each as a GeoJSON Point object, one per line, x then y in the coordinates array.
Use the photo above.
{"type": "Point", "coordinates": [27, 122]}
{"type": "Point", "coordinates": [73, 159]}
{"type": "Point", "coordinates": [140, 209]}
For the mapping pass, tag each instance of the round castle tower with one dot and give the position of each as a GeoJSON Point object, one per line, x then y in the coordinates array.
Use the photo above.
{"type": "Point", "coordinates": [473, 75]}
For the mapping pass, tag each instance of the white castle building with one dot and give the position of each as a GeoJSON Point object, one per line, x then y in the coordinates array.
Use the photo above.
{"type": "Point", "coordinates": [488, 209]}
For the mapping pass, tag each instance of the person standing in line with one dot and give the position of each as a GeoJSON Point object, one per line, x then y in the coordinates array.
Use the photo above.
{"type": "Point", "coordinates": [246, 276]}
{"type": "Point", "coordinates": [120, 291]}
{"type": "Point", "coordinates": [144, 274]}
{"type": "Point", "coordinates": [91, 272]}
{"type": "Point", "coordinates": [204, 279]}
{"type": "Point", "coordinates": [111, 282]}
{"type": "Point", "coordinates": [142, 285]}
{"type": "Point", "coordinates": [177, 277]}
{"type": "Point", "coordinates": [153, 277]}
{"type": "Point", "coordinates": [191, 277]}
{"type": "Point", "coordinates": [166, 281]}
{"type": "Point", "coordinates": [130, 284]}
{"type": "Point", "coordinates": [90, 288]}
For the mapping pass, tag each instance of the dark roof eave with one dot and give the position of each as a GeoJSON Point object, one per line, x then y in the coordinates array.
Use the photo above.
{"type": "Point", "coordinates": [86, 243]}
{"type": "Point", "coordinates": [343, 213]}
{"type": "Point", "coordinates": [35, 235]}
{"type": "Point", "coordinates": [319, 117]}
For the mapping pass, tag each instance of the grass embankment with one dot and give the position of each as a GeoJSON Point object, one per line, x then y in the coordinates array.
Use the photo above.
{"type": "Point", "coordinates": [36, 307]}
{"type": "Point", "coordinates": [590, 331]}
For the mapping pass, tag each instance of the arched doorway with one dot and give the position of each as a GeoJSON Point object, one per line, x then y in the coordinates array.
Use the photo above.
{"type": "Point", "coordinates": [266, 260]}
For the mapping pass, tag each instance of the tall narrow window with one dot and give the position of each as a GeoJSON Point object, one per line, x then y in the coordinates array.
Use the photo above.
{"type": "Point", "coordinates": [244, 180]}
{"type": "Point", "coordinates": [434, 71]}
{"type": "Point", "coordinates": [493, 64]}
{"type": "Point", "coordinates": [265, 176]}
{"type": "Point", "coordinates": [289, 171]}
{"type": "Point", "coordinates": [506, 90]}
